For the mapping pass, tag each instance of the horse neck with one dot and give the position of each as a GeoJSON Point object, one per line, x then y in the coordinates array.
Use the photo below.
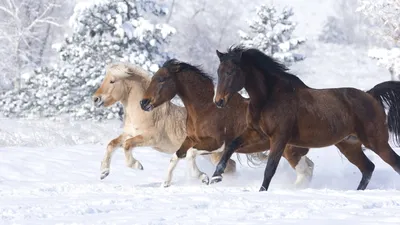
{"type": "Point", "coordinates": [258, 86]}
{"type": "Point", "coordinates": [195, 91]}
{"type": "Point", "coordinates": [134, 91]}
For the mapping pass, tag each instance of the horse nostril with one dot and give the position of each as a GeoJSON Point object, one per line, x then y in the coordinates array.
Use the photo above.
{"type": "Point", "coordinates": [144, 102]}
{"type": "Point", "coordinates": [220, 103]}
{"type": "Point", "coordinates": [96, 99]}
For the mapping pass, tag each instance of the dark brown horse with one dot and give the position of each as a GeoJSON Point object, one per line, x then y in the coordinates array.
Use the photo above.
{"type": "Point", "coordinates": [209, 128]}
{"type": "Point", "coordinates": [286, 111]}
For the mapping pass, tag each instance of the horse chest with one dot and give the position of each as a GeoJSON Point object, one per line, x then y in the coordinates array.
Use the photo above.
{"type": "Point", "coordinates": [203, 128]}
{"type": "Point", "coordinates": [260, 120]}
{"type": "Point", "coordinates": [134, 130]}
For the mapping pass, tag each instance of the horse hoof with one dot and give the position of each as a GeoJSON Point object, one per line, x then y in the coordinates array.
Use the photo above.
{"type": "Point", "coordinates": [104, 174]}
{"type": "Point", "coordinates": [204, 179]}
{"type": "Point", "coordinates": [166, 184]}
{"type": "Point", "coordinates": [262, 188]}
{"type": "Point", "coordinates": [216, 179]}
{"type": "Point", "coordinates": [137, 165]}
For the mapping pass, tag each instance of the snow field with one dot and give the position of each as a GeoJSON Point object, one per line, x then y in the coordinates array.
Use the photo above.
{"type": "Point", "coordinates": [58, 183]}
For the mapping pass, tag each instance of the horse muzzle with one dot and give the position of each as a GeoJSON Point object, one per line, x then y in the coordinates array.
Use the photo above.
{"type": "Point", "coordinates": [146, 105]}
{"type": "Point", "coordinates": [221, 102]}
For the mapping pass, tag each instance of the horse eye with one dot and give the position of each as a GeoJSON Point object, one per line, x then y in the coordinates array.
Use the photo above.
{"type": "Point", "coordinates": [112, 81]}
{"type": "Point", "coordinates": [162, 79]}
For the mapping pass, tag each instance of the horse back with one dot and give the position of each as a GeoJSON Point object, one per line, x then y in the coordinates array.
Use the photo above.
{"type": "Point", "coordinates": [331, 114]}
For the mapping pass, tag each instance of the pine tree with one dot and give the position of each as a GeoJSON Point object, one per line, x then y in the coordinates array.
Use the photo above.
{"type": "Point", "coordinates": [271, 32]}
{"type": "Point", "coordinates": [332, 32]}
{"type": "Point", "coordinates": [103, 32]}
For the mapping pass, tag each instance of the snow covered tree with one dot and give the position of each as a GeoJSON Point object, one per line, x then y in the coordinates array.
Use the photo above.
{"type": "Point", "coordinates": [103, 32]}
{"type": "Point", "coordinates": [26, 33]}
{"type": "Point", "coordinates": [271, 32]}
{"type": "Point", "coordinates": [388, 58]}
{"type": "Point", "coordinates": [333, 32]}
{"type": "Point", "coordinates": [385, 14]}
{"type": "Point", "coordinates": [345, 26]}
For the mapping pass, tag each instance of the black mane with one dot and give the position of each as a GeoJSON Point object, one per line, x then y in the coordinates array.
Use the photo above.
{"type": "Point", "coordinates": [173, 64]}
{"type": "Point", "coordinates": [265, 63]}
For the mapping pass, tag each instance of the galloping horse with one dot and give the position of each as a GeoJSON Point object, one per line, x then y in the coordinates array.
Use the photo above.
{"type": "Point", "coordinates": [164, 129]}
{"type": "Point", "coordinates": [285, 110]}
{"type": "Point", "coordinates": [209, 128]}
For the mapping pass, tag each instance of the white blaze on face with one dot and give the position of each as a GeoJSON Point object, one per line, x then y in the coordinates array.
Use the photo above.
{"type": "Point", "coordinates": [215, 94]}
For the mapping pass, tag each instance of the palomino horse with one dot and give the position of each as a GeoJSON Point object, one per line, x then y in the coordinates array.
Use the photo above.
{"type": "Point", "coordinates": [164, 129]}
{"type": "Point", "coordinates": [286, 111]}
{"type": "Point", "coordinates": [209, 128]}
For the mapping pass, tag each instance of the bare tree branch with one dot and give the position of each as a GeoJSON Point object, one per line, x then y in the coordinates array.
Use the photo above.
{"type": "Point", "coordinates": [170, 11]}
{"type": "Point", "coordinates": [198, 11]}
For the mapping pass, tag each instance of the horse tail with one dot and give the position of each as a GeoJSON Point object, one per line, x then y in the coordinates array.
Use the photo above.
{"type": "Point", "coordinates": [389, 93]}
{"type": "Point", "coordinates": [255, 159]}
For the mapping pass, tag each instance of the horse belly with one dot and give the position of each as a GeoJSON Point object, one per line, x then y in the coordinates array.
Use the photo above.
{"type": "Point", "coordinates": [321, 125]}
{"type": "Point", "coordinates": [208, 147]}
{"type": "Point", "coordinates": [207, 152]}
{"type": "Point", "coordinates": [318, 138]}
{"type": "Point", "coordinates": [165, 148]}
{"type": "Point", "coordinates": [315, 143]}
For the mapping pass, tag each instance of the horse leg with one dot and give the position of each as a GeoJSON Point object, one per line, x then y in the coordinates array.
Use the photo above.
{"type": "Point", "coordinates": [231, 166]}
{"type": "Point", "coordinates": [246, 138]}
{"type": "Point", "coordinates": [278, 144]}
{"type": "Point", "coordinates": [390, 157]}
{"type": "Point", "coordinates": [354, 153]}
{"type": "Point", "coordinates": [387, 154]}
{"type": "Point", "coordinates": [128, 145]}
{"type": "Point", "coordinates": [181, 153]}
{"type": "Point", "coordinates": [105, 163]}
{"type": "Point", "coordinates": [296, 157]}
{"type": "Point", "coordinates": [195, 172]}
{"type": "Point", "coordinates": [377, 141]}
{"type": "Point", "coordinates": [303, 166]}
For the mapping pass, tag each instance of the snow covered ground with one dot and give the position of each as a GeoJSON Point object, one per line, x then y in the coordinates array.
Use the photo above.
{"type": "Point", "coordinates": [49, 174]}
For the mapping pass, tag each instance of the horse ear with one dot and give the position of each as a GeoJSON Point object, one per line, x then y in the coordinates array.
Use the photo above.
{"type": "Point", "coordinates": [219, 54]}
{"type": "Point", "coordinates": [130, 74]}
{"type": "Point", "coordinates": [175, 68]}
{"type": "Point", "coordinates": [239, 57]}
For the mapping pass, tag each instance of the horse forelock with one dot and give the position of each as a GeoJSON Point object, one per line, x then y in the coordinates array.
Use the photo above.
{"type": "Point", "coordinates": [233, 52]}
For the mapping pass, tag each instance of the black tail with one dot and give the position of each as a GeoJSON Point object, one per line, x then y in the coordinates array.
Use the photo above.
{"type": "Point", "coordinates": [389, 93]}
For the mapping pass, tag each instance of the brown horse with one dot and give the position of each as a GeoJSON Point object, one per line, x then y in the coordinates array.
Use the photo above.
{"type": "Point", "coordinates": [209, 128]}
{"type": "Point", "coordinates": [164, 129]}
{"type": "Point", "coordinates": [286, 111]}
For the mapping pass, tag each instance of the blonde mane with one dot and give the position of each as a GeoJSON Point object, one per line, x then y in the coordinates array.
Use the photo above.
{"type": "Point", "coordinates": [126, 69]}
